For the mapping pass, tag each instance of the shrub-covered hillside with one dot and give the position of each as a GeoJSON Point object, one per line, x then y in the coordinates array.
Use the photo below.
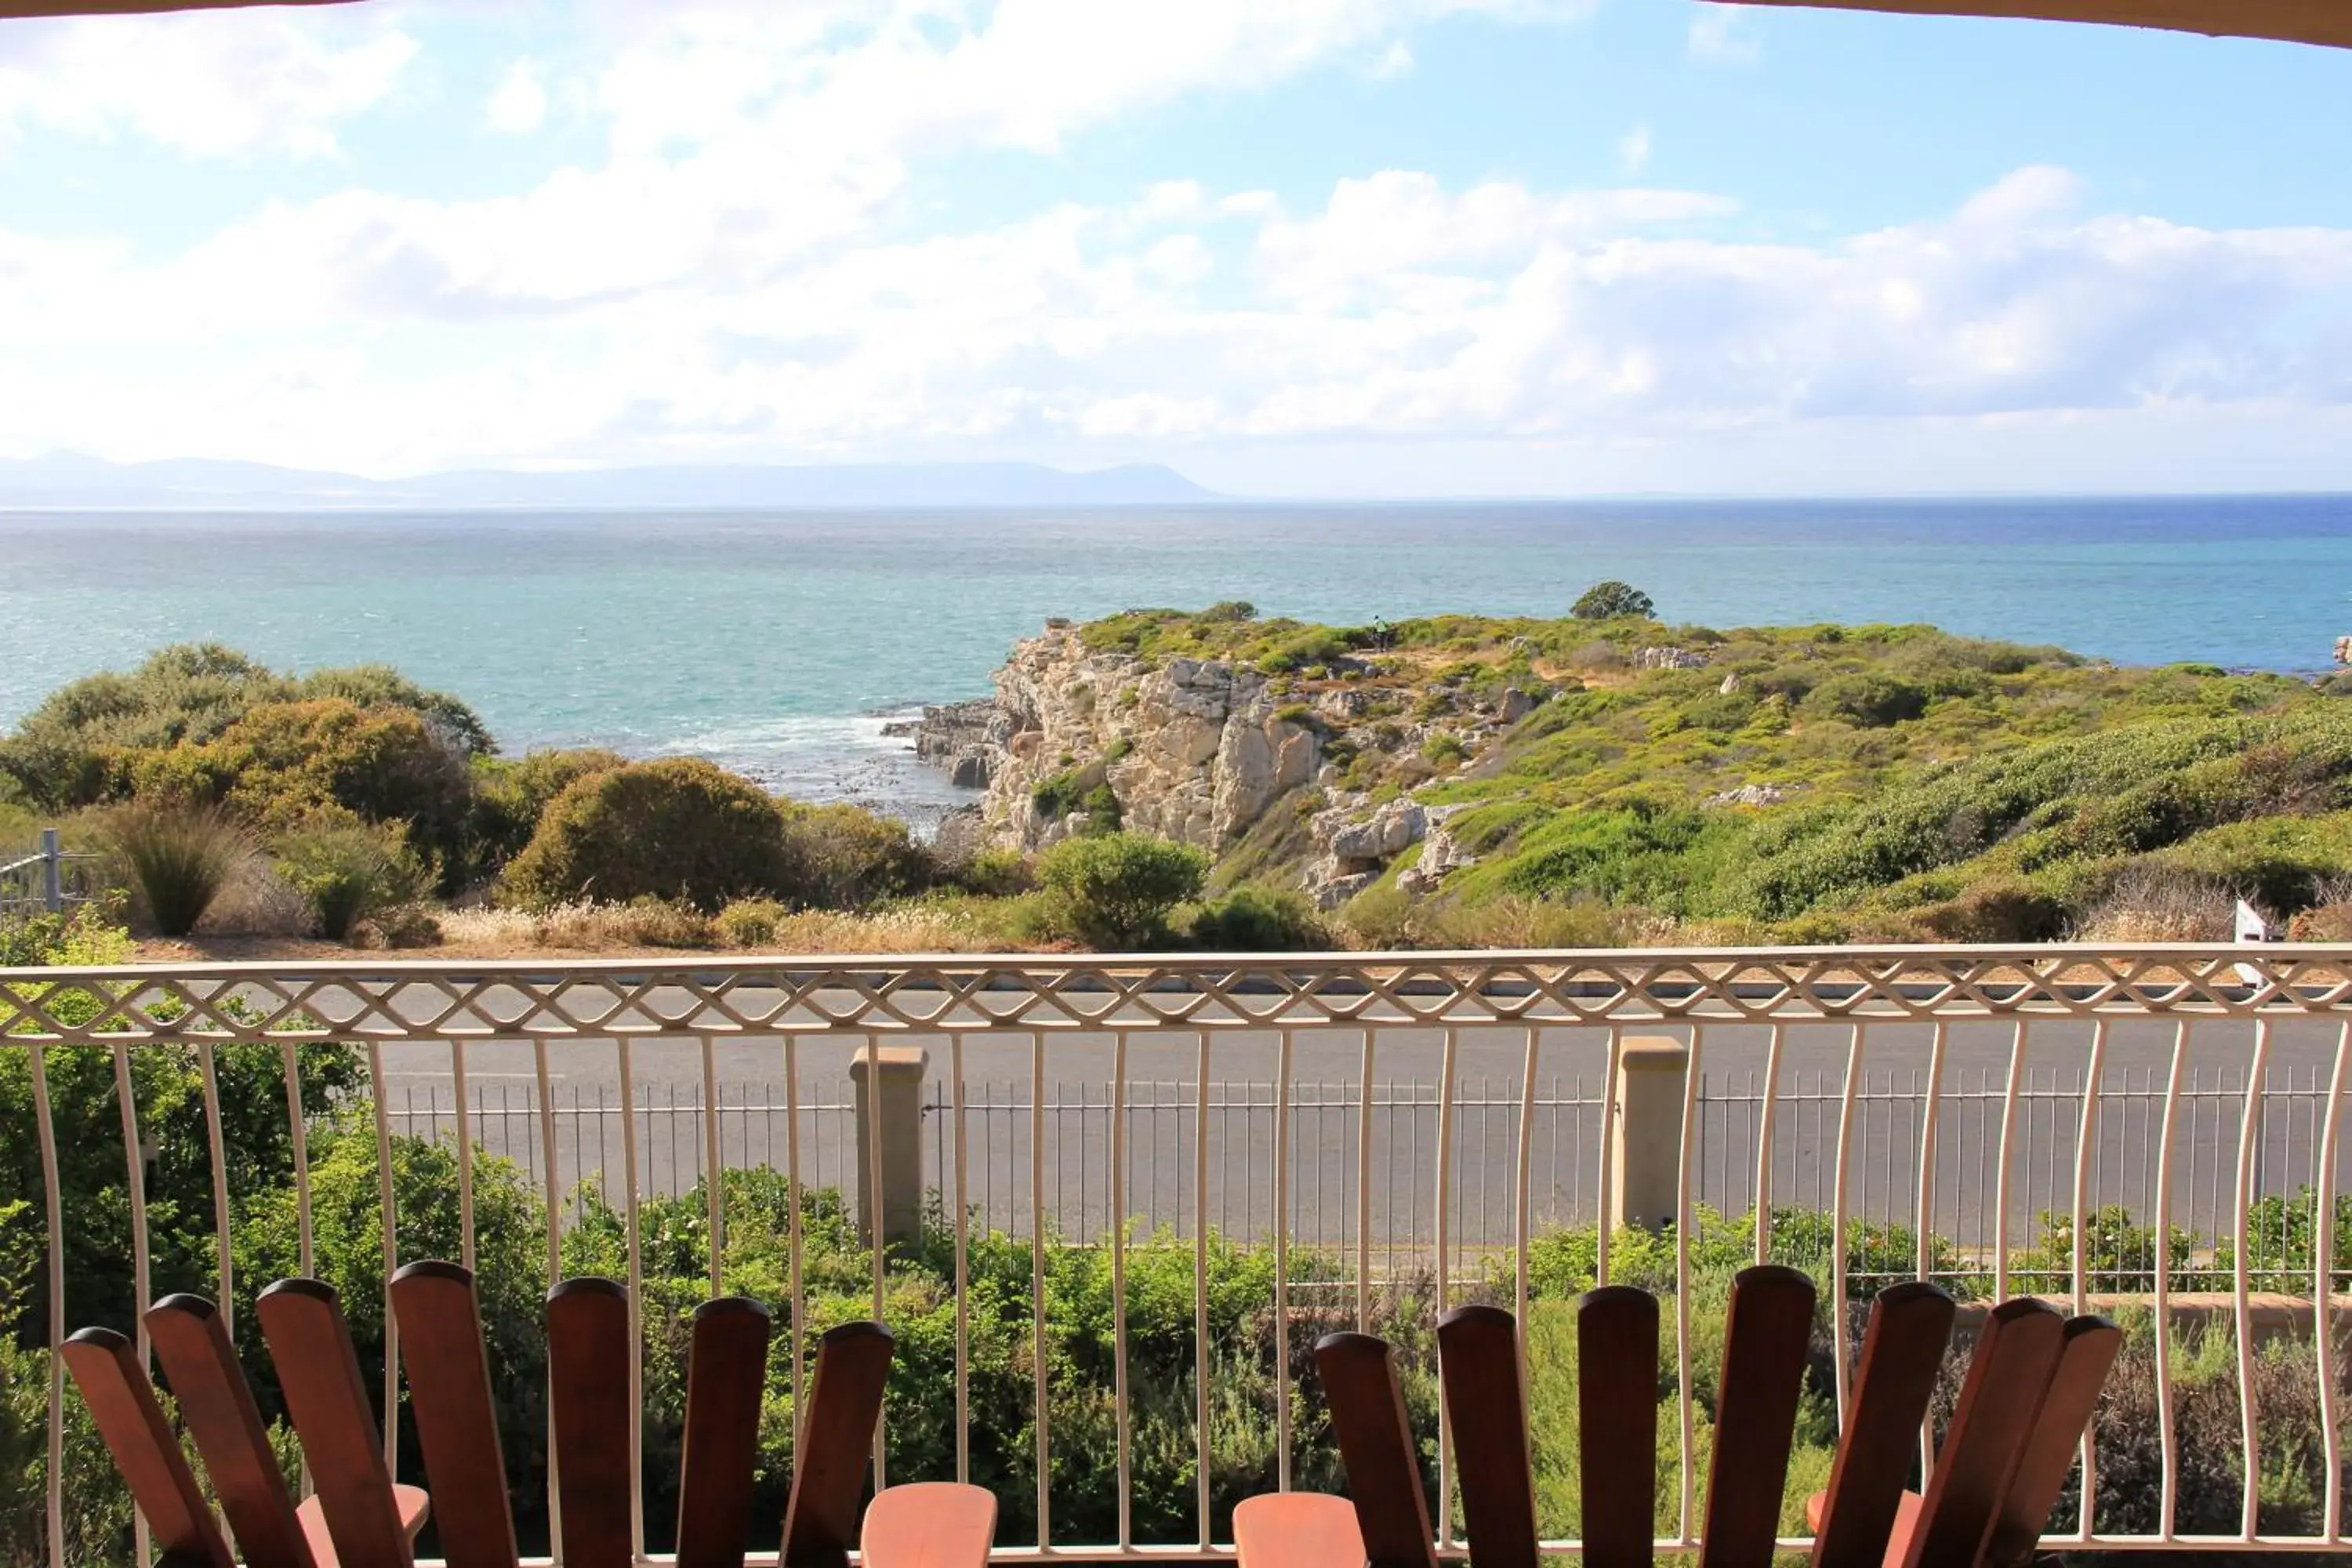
{"type": "Point", "coordinates": [1620, 779]}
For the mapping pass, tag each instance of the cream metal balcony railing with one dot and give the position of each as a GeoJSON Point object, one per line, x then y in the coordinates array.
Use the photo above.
{"type": "Point", "coordinates": [1933, 1009]}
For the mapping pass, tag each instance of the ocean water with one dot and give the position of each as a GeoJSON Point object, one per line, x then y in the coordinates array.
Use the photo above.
{"type": "Point", "coordinates": [779, 643]}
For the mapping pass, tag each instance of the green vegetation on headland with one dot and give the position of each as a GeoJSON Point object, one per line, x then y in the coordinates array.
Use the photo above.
{"type": "Point", "coordinates": [1599, 779]}
{"type": "Point", "coordinates": [1810, 783]}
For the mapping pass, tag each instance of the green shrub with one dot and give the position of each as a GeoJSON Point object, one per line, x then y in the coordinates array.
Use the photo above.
{"type": "Point", "coordinates": [287, 762]}
{"type": "Point", "coordinates": [1254, 918]}
{"type": "Point", "coordinates": [679, 828]}
{"type": "Point", "coordinates": [1870, 699]}
{"type": "Point", "coordinates": [1116, 890]}
{"type": "Point", "coordinates": [749, 923]}
{"type": "Point", "coordinates": [510, 795]}
{"type": "Point", "coordinates": [349, 874]}
{"type": "Point", "coordinates": [844, 857]}
{"type": "Point", "coordinates": [1057, 795]}
{"type": "Point", "coordinates": [1610, 600]}
{"type": "Point", "coordinates": [996, 874]}
{"type": "Point", "coordinates": [179, 860]}
{"type": "Point", "coordinates": [89, 933]}
{"type": "Point", "coordinates": [1101, 805]}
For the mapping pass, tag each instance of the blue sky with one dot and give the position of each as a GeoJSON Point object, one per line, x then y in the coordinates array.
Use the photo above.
{"type": "Point", "coordinates": [1378, 247]}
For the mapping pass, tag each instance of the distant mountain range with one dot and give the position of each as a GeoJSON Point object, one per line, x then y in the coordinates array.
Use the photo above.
{"type": "Point", "coordinates": [67, 482]}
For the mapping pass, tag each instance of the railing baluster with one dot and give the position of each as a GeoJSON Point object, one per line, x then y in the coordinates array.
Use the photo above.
{"type": "Point", "coordinates": [2250, 1129]}
{"type": "Point", "coordinates": [871, 1179]}
{"type": "Point", "coordinates": [1764, 1147]}
{"type": "Point", "coordinates": [388, 1221]}
{"type": "Point", "coordinates": [297, 1129]}
{"type": "Point", "coordinates": [54, 1475]}
{"type": "Point", "coordinates": [2007, 1153]}
{"type": "Point", "coordinates": [714, 1190]}
{"type": "Point", "coordinates": [1200, 1285]}
{"type": "Point", "coordinates": [1682, 1218]}
{"type": "Point", "coordinates": [1118, 1206]}
{"type": "Point", "coordinates": [550, 1188]}
{"type": "Point", "coordinates": [2169, 1507]}
{"type": "Point", "coordinates": [1520, 1227]}
{"type": "Point", "coordinates": [224, 1263]}
{"type": "Point", "coordinates": [463, 1127]}
{"type": "Point", "coordinates": [1364, 1188]}
{"type": "Point", "coordinates": [1443, 1201]}
{"type": "Point", "coordinates": [1608, 1131]}
{"type": "Point", "coordinates": [962, 1272]}
{"type": "Point", "coordinates": [1037, 1288]}
{"type": "Point", "coordinates": [2085, 1140]}
{"type": "Point", "coordinates": [637, 1297]}
{"type": "Point", "coordinates": [792, 1222]}
{"type": "Point", "coordinates": [1283, 1435]}
{"type": "Point", "coordinates": [2323, 1300]}
{"type": "Point", "coordinates": [1841, 1361]}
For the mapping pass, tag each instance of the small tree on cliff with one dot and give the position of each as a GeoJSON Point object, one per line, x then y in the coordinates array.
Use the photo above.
{"type": "Point", "coordinates": [1608, 601]}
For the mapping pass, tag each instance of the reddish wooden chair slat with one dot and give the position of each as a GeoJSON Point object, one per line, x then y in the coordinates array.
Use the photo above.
{"type": "Point", "coordinates": [588, 1356]}
{"type": "Point", "coordinates": [1478, 1356]}
{"type": "Point", "coordinates": [834, 1438]}
{"type": "Point", "coordinates": [1765, 1342]}
{"type": "Point", "coordinates": [1902, 1349]}
{"type": "Point", "coordinates": [122, 1403]}
{"type": "Point", "coordinates": [1296, 1530]}
{"type": "Point", "coordinates": [725, 1372]}
{"type": "Point", "coordinates": [1368, 1415]}
{"type": "Point", "coordinates": [1617, 1423]}
{"type": "Point", "coordinates": [456, 1426]}
{"type": "Point", "coordinates": [216, 1402]}
{"type": "Point", "coordinates": [2086, 1352]}
{"type": "Point", "coordinates": [2008, 1376]}
{"type": "Point", "coordinates": [936, 1524]}
{"type": "Point", "coordinates": [311, 1347]}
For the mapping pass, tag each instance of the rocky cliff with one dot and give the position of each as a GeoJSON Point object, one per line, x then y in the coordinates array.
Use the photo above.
{"type": "Point", "coordinates": [1204, 750]}
{"type": "Point", "coordinates": [1192, 749]}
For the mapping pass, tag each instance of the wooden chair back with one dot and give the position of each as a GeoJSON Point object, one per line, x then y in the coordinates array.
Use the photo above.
{"type": "Point", "coordinates": [588, 1350]}
{"type": "Point", "coordinates": [726, 1373]}
{"type": "Point", "coordinates": [311, 1346]}
{"type": "Point", "coordinates": [193, 1345]}
{"type": "Point", "coordinates": [122, 1403]}
{"type": "Point", "coordinates": [449, 1372]}
{"type": "Point", "coordinates": [834, 1438]}
{"type": "Point", "coordinates": [1478, 1365]}
{"type": "Point", "coordinates": [1617, 1423]}
{"type": "Point", "coordinates": [1367, 1416]}
{"type": "Point", "coordinates": [2029, 1393]}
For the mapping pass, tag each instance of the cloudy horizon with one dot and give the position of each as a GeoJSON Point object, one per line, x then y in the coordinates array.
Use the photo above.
{"type": "Point", "coordinates": [1336, 248]}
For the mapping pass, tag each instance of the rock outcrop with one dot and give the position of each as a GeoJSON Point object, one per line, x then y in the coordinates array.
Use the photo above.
{"type": "Point", "coordinates": [1192, 749]}
{"type": "Point", "coordinates": [1202, 750]}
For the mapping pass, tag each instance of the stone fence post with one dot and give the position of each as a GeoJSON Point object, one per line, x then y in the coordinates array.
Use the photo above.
{"type": "Point", "coordinates": [1645, 1141]}
{"type": "Point", "coordinates": [897, 1075]}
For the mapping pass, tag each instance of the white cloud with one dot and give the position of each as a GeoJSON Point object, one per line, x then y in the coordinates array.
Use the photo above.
{"type": "Point", "coordinates": [745, 273]}
{"type": "Point", "coordinates": [1633, 151]}
{"type": "Point", "coordinates": [518, 105]}
{"type": "Point", "coordinates": [209, 85]}
{"type": "Point", "coordinates": [389, 336]}
{"type": "Point", "coordinates": [1722, 35]}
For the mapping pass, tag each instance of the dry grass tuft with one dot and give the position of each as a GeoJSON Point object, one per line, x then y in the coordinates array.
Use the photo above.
{"type": "Point", "coordinates": [2161, 903]}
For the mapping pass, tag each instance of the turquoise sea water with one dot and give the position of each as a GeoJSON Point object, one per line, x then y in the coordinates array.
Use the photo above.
{"type": "Point", "coordinates": [775, 642]}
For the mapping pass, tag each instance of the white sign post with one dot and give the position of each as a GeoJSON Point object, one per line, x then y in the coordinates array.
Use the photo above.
{"type": "Point", "coordinates": [2252, 927]}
